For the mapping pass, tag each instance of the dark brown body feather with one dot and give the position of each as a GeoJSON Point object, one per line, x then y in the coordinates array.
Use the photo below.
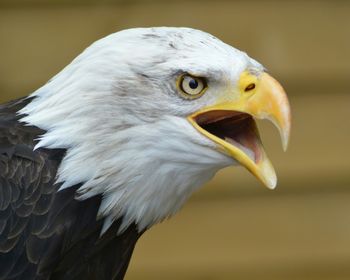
{"type": "Point", "coordinates": [45, 234]}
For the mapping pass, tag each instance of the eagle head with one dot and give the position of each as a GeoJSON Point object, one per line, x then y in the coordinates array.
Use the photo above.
{"type": "Point", "coordinates": [148, 115]}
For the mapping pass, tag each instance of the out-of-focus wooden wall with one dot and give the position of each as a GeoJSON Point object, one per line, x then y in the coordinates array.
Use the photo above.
{"type": "Point", "coordinates": [232, 228]}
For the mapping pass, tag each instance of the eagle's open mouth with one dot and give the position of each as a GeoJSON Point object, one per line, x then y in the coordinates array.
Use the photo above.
{"type": "Point", "coordinates": [230, 123]}
{"type": "Point", "coordinates": [237, 136]}
{"type": "Point", "coordinates": [235, 128]}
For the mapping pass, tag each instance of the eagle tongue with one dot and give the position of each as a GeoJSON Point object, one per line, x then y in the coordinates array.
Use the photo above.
{"type": "Point", "coordinates": [245, 136]}
{"type": "Point", "coordinates": [246, 150]}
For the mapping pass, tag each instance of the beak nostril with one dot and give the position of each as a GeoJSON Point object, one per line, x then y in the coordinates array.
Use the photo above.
{"type": "Point", "coordinates": [250, 87]}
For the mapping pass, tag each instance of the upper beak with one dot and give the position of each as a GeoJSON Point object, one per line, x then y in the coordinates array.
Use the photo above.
{"type": "Point", "coordinates": [230, 123]}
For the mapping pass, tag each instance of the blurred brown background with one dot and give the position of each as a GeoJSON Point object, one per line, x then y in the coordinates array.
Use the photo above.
{"type": "Point", "coordinates": [233, 228]}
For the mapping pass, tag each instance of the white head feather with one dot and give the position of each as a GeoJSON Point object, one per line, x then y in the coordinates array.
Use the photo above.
{"type": "Point", "coordinates": [117, 111]}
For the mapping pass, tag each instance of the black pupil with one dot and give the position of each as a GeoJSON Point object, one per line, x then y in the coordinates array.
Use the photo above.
{"type": "Point", "coordinates": [193, 84]}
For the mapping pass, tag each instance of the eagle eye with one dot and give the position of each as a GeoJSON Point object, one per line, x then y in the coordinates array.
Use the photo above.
{"type": "Point", "coordinates": [192, 87]}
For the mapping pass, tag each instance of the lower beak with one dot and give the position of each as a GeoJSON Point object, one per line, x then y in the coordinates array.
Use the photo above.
{"type": "Point", "coordinates": [231, 124]}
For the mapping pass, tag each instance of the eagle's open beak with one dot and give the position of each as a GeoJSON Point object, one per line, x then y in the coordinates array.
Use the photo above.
{"type": "Point", "coordinates": [230, 123]}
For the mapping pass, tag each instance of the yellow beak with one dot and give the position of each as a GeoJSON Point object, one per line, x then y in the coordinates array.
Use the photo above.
{"type": "Point", "coordinates": [230, 123]}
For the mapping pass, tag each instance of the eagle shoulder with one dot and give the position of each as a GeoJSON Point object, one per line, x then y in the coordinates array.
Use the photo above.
{"type": "Point", "coordinates": [46, 233]}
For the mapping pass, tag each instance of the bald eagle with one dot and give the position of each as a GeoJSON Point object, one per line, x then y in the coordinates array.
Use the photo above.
{"type": "Point", "coordinates": [117, 142]}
